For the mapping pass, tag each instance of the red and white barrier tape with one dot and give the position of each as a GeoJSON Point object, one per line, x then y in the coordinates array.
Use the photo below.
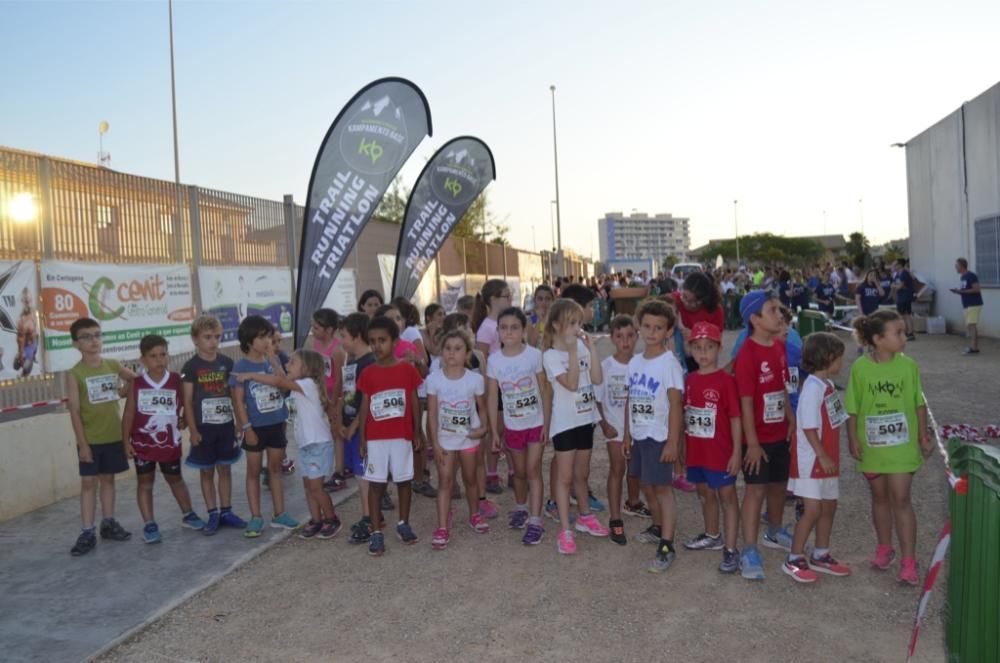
{"type": "Point", "coordinates": [932, 573]}
{"type": "Point", "coordinates": [971, 433]}
{"type": "Point", "coordinates": [28, 406]}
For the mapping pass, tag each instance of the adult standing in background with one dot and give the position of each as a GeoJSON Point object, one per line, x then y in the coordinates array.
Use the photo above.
{"type": "Point", "coordinates": [972, 302]}
{"type": "Point", "coordinates": [905, 290]}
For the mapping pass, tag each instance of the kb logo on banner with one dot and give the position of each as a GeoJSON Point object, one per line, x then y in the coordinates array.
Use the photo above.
{"type": "Point", "coordinates": [376, 139]}
{"type": "Point", "coordinates": [457, 177]}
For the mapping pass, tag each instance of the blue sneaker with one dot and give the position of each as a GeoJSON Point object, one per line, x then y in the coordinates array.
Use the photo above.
{"type": "Point", "coordinates": [552, 511]}
{"type": "Point", "coordinates": [780, 540]}
{"type": "Point", "coordinates": [376, 544]}
{"type": "Point", "coordinates": [518, 519]}
{"type": "Point", "coordinates": [151, 533]}
{"type": "Point", "coordinates": [230, 519]}
{"type": "Point", "coordinates": [405, 534]}
{"type": "Point", "coordinates": [596, 505]}
{"type": "Point", "coordinates": [212, 526]}
{"type": "Point", "coordinates": [533, 534]}
{"type": "Point", "coordinates": [192, 521]}
{"type": "Point", "coordinates": [254, 528]}
{"type": "Point", "coordinates": [751, 566]}
{"type": "Point", "coordinates": [284, 521]}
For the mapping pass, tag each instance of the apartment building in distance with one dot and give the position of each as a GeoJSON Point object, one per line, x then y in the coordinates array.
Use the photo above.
{"type": "Point", "coordinates": [638, 235]}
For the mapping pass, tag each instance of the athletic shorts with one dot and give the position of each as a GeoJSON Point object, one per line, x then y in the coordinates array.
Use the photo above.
{"type": "Point", "coordinates": [387, 457]}
{"type": "Point", "coordinates": [580, 438]}
{"type": "Point", "coordinates": [316, 460]}
{"type": "Point", "coordinates": [218, 447]}
{"type": "Point", "coordinates": [827, 488]}
{"type": "Point", "coordinates": [774, 469]}
{"type": "Point", "coordinates": [904, 306]}
{"type": "Point", "coordinates": [352, 456]}
{"type": "Point", "coordinates": [518, 440]}
{"type": "Point", "coordinates": [972, 315]}
{"type": "Point", "coordinates": [168, 469]}
{"type": "Point", "coordinates": [714, 478]}
{"type": "Point", "coordinates": [645, 463]}
{"type": "Point", "coordinates": [268, 437]}
{"type": "Point", "coordinates": [108, 459]}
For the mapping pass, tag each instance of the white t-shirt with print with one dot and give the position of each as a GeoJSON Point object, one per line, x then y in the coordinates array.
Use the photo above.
{"type": "Point", "coordinates": [570, 409]}
{"type": "Point", "coordinates": [311, 425]}
{"type": "Point", "coordinates": [649, 407]}
{"type": "Point", "coordinates": [613, 392]}
{"type": "Point", "coordinates": [519, 391]}
{"type": "Point", "coordinates": [457, 413]}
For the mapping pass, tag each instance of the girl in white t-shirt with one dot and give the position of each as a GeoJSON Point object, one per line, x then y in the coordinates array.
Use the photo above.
{"type": "Point", "coordinates": [515, 380]}
{"type": "Point", "coordinates": [573, 368]}
{"type": "Point", "coordinates": [493, 298]}
{"type": "Point", "coordinates": [455, 397]}
{"type": "Point", "coordinates": [305, 380]}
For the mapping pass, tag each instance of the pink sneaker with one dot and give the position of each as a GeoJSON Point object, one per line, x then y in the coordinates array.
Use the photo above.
{"type": "Point", "coordinates": [440, 539]}
{"type": "Point", "coordinates": [567, 543]}
{"type": "Point", "coordinates": [883, 557]}
{"type": "Point", "coordinates": [478, 523]}
{"type": "Point", "coordinates": [827, 564]}
{"type": "Point", "coordinates": [488, 509]}
{"type": "Point", "coordinates": [908, 572]}
{"type": "Point", "coordinates": [591, 525]}
{"type": "Point", "coordinates": [682, 484]}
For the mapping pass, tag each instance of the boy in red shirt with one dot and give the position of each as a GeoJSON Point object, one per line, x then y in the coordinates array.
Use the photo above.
{"type": "Point", "coordinates": [714, 434]}
{"type": "Point", "coordinates": [761, 371]}
{"type": "Point", "coordinates": [815, 466]}
{"type": "Point", "coordinates": [390, 417]}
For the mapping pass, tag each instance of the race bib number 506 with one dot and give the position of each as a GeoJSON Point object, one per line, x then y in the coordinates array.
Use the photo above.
{"type": "Point", "coordinates": [388, 404]}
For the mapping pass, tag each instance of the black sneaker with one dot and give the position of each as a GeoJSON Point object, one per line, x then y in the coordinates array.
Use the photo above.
{"type": "Point", "coordinates": [84, 544]}
{"type": "Point", "coordinates": [730, 561]}
{"type": "Point", "coordinates": [330, 528]}
{"type": "Point", "coordinates": [310, 529]}
{"type": "Point", "coordinates": [637, 510]}
{"type": "Point", "coordinates": [617, 532]}
{"type": "Point", "coordinates": [361, 532]}
{"type": "Point", "coordinates": [387, 504]}
{"type": "Point", "coordinates": [114, 531]}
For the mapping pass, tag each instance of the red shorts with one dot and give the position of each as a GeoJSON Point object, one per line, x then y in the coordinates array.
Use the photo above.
{"type": "Point", "coordinates": [518, 440]}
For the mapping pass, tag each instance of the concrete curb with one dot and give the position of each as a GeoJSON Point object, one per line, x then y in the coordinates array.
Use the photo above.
{"type": "Point", "coordinates": [338, 499]}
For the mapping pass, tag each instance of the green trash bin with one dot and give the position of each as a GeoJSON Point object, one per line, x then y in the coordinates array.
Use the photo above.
{"type": "Point", "coordinates": [811, 322]}
{"type": "Point", "coordinates": [974, 559]}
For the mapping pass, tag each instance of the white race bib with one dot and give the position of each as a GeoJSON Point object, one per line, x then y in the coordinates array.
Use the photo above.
{"type": "Point", "coordinates": [350, 373]}
{"type": "Point", "coordinates": [157, 401]}
{"type": "Point", "coordinates": [455, 418]}
{"type": "Point", "coordinates": [327, 366]}
{"type": "Point", "coordinates": [521, 403]}
{"type": "Point", "coordinates": [102, 388]}
{"type": "Point", "coordinates": [700, 422]}
{"type": "Point", "coordinates": [585, 399]}
{"type": "Point", "coordinates": [216, 411]}
{"type": "Point", "coordinates": [388, 404]}
{"type": "Point", "coordinates": [268, 398]}
{"type": "Point", "coordinates": [641, 410]}
{"type": "Point", "coordinates": [792, 385]}
{"type": "Point", "coordinates": [617, 390]}
{"type": "Point", "coordinates": [835, 411]}
{"type": "Point", "coordinates": [774, 407]}
{"type": "Point", "coordinates": [887, 430]}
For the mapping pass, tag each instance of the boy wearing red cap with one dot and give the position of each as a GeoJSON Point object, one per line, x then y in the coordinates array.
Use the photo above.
{"type": "Point", "coordinates": [714, 434]}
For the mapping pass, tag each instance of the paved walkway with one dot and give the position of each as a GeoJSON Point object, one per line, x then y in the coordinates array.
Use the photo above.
{"type": "Point", "coordinates": [56, 607]}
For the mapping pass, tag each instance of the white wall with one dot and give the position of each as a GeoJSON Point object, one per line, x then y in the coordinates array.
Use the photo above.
{"type": "Point", "coordinates": [952, 180]}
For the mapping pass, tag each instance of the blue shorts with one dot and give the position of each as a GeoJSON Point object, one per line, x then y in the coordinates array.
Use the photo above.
{"type": "Point", "coordinates": [646, 465]}
{"type": "Point", "coordinates": [714, 478]}
{"type": "Point", "coordinates": [218, 447]}
{"type": "Point", "coordinates": [352, 456]}
{"type": "Point", "coordinates": [316, 460]}
{"type": "Point", "coordinates": [108, 459]}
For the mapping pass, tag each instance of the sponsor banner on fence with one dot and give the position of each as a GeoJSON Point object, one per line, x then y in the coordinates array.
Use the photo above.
{"type": "Point", "coordinates": [128, 301]}
{"type": "Point", "coordinates": [233, 293]}
{"type": "Point", "coordinates": [362, 151]}
{"type": "Point", "coordinates": [343, 296]}
{"type": "Point", "coordinates": [20, 337]}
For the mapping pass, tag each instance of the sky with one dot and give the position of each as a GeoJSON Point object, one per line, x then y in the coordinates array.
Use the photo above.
{"type": "Point", "coordinates": [675, 107]}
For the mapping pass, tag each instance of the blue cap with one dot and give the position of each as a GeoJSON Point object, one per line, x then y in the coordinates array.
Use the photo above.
{"type": "Point", "coordinates": [753, 302]}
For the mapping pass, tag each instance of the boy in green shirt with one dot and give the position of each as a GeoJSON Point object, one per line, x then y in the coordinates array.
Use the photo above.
{"type": "Point", "coordinates": [92, 388]}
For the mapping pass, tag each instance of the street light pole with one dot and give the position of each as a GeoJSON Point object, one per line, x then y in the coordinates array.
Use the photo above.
{"type": "Point", "coordinates": [177, 166]}
{"type": "Point", "coordinates": [555, 158]}
{"type": "Point", "coordinates": [552, 222]}
{"type": "Point", "coordinates": [736, 225]}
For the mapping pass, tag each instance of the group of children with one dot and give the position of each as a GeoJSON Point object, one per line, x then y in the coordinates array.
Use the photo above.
{"type": "Point", "coordinates": [504, 383]}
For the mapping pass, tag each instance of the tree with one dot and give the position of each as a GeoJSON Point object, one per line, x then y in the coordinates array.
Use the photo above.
{"type": "Point", "coordinates": [480, 223]}
{"type": "Point", "coordinates": [392, 207]}
{"type": "Point", "coordinates": [893, 252]}
{"type": "Point", "coordinates": [859, 250]}
{"type": "Point", "coordinates": [767, 248]}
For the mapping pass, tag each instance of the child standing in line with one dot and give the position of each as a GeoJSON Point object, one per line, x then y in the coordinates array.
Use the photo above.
{"type": "Point", "coordinates": [515, 381]}
{"type": "Point", "coordinates": [92, 392]}
{"type": "Point", "coordinates": [714, 437]}
{"type": "Point", "coordinates": [261, 414]}
{"type": "Point", "coordinates": [151, 428]}
{"type": "Point", "coordinates": [611, 399]}
{"type": "Point", "coordinates": [815, 466]}
{"type": "Point", "coordinates": [887, 432]}
{"type": "Point", "coordinates": [493, 298]}
{"type": "Point", "coordinates": [390, 420]}
{"type": "Point", "coordinates": [323, 330]}
{"type": "Point", "coordinates": [306, 383]}
{"type": "Point", "coordinates": [353, 333]}
{"type": "Point", "coordinates": [573, 368]}
{"type": "Point", "coordinates": [208, 410]}
{"type": "Point", "coordinates": [762, 378]}
{"type": "Point", "coordinates": [654, 425]}
{"type": "Point", "coordinates": [455, 397]}
{"type": "Point", "coordinates": [542, 300]}
{"type": "Point", "coordinates": [466, 304]}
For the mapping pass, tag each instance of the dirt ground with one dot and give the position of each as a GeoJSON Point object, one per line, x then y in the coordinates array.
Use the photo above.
{"type": "Point", "coordinates": [488, 598]}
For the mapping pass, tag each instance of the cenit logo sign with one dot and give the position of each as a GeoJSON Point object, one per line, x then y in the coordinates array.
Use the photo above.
{"type": "Point", "coordinates": [97, 300]}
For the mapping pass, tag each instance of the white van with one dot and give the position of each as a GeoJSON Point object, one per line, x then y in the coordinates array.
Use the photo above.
{"type": "Point", "coordinates": [680, 271]}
